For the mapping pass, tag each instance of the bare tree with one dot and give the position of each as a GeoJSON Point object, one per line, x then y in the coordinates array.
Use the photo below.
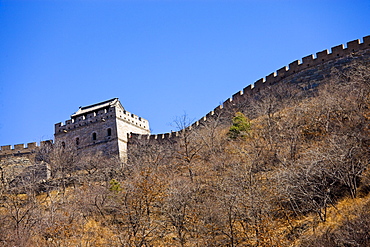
{"type": "Point", "coordinates": [188, 146]}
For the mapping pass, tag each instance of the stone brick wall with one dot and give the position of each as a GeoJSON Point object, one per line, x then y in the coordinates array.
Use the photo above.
{"type": "Point", "coordinates": [90, 134]}
{"type": "Point", "coordinates": [307, 74]}
{"type": "Point", "coordinates": [24, 150]}
{"type": "Point", "coordinates": [127, 123]}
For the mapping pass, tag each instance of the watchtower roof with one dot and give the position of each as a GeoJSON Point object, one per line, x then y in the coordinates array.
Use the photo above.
{"type": "Point", "coordinates": [95, 107]}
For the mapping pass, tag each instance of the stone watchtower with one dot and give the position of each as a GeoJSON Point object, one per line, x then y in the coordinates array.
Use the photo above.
{"type": "Point", "coordinates": [101, 127]}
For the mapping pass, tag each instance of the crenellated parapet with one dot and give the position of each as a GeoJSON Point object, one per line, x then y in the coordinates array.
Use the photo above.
{"type": "Point", "coordinates": [100, 115]}
{"type": "Point", "coordinates": [165, 136]}
{"type": "Point", "coordinates": [23, 149]}
{"type": "Point", "coordinates": [175, 134]}
{"type": "Point", "coordinates": [83, 120]}
{"type": "Point", "coordinates": [284, 74]}
{"type": "Point", "coordinates": [134, 119]}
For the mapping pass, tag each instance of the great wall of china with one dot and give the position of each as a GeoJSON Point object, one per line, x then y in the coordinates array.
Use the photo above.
{"type": "Point", "coordinates": [310, 70]}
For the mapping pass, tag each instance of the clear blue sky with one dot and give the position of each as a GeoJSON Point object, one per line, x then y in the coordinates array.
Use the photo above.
{"type": "Point", "coordinates": [161, 58]}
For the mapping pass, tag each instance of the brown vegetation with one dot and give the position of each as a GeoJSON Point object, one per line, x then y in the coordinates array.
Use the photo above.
{"type": "Point", "coordinates": [293, 172]}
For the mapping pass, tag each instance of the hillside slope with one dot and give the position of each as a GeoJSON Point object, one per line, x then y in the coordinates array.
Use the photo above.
{"type": "Point", "coordinates": [290, 169]}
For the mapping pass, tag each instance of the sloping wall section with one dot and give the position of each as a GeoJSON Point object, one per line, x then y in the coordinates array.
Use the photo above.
{"type": "Point", "coordinates": [307, 73]}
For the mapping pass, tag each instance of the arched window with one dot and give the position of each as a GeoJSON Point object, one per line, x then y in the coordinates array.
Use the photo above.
{"type": "Point", "coordinates": [109, 132]}
{"type": "Point", "coordinates": [94, 136]}
{"type": "Point", "coordinates": [63, 144]}
{"type": "Point", "coordinates": [77, 141]}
